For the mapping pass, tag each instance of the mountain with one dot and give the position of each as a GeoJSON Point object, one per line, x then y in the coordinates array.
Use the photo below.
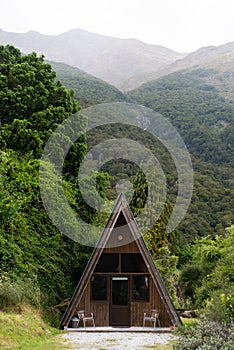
{"type": "Point", "coordinates": [88, 90]}
{"type": "Point", "coordinates": [220, 58]}
{"type": "Point", "coordinates": [200, 104]}
{"type": "Point", "coordinates": [111, 59]}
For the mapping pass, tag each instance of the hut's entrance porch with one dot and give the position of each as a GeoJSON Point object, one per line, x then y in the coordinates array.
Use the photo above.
{"type": "Point", "coordinates": [119, 305]}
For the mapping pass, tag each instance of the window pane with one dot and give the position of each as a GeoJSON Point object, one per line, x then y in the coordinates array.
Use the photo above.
{"type": "Point", "coordinates": [120, 291]}
{"type": "Point", "coordinates": [108, 262]}
{"type": "Point", "coordinates": [140, 288]}
{"type": "Point", "coordinates": [132, 262]}
{"type": "Point", "coordinates": [99, 288]}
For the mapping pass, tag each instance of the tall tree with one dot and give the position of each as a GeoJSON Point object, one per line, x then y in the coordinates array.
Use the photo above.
{"type": "Point", "coordinates": [160, 243]}
{"type": "Point", "coordinates": [33, 102]}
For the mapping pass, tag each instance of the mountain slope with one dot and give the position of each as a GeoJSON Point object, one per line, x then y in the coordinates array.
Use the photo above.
{"type": "Point", "coordinates": [200, 104]}
{"type": "Point", "coordinates": [88, 90]}
{"type": "Point", "coordinates": [111, 59]}
{"type": "Point", "coordinates": [220, 58]}
{"type": "Point", "coordinates": [202, 110]}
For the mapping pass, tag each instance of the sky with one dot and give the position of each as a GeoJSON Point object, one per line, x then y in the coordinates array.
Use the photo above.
{"type": "Point", "coordinates": [182, 25]}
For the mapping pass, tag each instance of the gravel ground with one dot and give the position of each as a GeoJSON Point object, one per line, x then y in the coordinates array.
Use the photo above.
{"type": "Point", "coordinates": [116, 341]}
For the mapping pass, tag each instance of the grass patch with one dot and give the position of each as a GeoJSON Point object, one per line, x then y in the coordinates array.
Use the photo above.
{"type": "Point", "coordinates": [26, 330]}
{"type": "Point", "coordinates": [189, 321]}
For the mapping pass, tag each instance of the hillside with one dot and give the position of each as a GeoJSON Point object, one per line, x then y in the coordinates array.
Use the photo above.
{"type": "Point", "coordinates": [200, 105]}
{"type": "Point", "coordinates": [26, 329]}
{"type": "Point", "coordinates": [195, 104]}
{"type": "Point", "coordinates": [88, 90]}
{"type": "Point", "coordinates": [124, 63]}
{"type": "Point", "coordinates": [111, 59]}
{"type": "Point", "coordinates": [220, 58]}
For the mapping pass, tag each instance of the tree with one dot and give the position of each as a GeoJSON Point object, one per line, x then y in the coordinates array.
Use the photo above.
{"type": "Point", "coordinates": [32, 104]}
{"type": "Point", "coordinates": [208, 278]}
{"type": "Point", "coordinates": [160, 243]}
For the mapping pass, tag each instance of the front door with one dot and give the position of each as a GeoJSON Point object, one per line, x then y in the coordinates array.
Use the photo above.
{"type": "Point", "coordinates": [120, 306]}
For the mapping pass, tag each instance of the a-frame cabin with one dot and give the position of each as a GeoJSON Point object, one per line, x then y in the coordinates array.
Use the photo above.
{"type": "Point", "coordinates": [121, 281]}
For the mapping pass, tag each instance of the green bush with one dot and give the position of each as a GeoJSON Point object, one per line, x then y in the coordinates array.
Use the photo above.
{"type": "Point", "coordinates": [16, 292]}
{"type": "Point", "coordinates": [221, 307]}
{"type": "Point", "coordinates": [205, 335]}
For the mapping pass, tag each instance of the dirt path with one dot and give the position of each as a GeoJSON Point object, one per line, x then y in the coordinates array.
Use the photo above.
{"type": "Point", "coordinates": [116, 341]}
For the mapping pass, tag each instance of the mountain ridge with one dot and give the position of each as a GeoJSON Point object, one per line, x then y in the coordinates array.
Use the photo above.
{"type": "Point", "coordinates": [124, 63]}
{"type": "Point", "coordinates": [220, 58]}
{"type": "Point", "coordinates": [111, 59]}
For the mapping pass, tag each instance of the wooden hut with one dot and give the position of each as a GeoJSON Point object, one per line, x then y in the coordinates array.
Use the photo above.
{"type": "Point", "coordinates": [121, 281]}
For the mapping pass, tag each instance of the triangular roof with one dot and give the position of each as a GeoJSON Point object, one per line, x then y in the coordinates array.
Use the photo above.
{"type": "Point", "coordinates": [121, 206]}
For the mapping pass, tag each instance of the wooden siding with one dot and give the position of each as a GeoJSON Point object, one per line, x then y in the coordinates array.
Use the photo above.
{"type": "Point", "coordinates": [155, 302]}
{"type": "Point", "coordinates": [127, 248]}
{"type": "Point", "coordinates": [101, 309]}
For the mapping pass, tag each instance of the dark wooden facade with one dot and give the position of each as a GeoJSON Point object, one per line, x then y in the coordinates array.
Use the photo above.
{"type": "Point", "coordinates": [121, 281]}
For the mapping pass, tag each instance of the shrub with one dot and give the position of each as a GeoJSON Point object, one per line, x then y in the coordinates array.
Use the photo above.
{"type": "Point", "coordinates": [221, 307]}
{"type": "Point", "coordinates": [15, 292]}
{"type": "Point", "coordinates": [205, 335]}
{"type": "Point", "coordinates": [190, 279]}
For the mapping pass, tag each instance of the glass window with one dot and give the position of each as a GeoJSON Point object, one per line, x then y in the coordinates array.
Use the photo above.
{"type": "Point", "coordinates": [141, 288]}
{"type": "Point", "coordinates": [108, 262]}
{"type": "Point", "coordinates": [120, 291]}
{"type": "Point", "coordinates": [99, 288]}
{"type": "Point", "coordinates": [132, 262]}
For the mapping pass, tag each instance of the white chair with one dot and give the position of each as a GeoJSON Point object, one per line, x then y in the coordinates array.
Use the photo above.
{"type": "Point", "coordinates": [153, 318]}
{"type": "Point", "coordinates": [82, 316]}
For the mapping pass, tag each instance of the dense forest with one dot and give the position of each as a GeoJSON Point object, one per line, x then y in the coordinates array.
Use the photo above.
{"type": "Point", "coordinates": [33, 252]}
{"type": "Point", "coordinates": [39, 264]}
{"type": "Point", "coordinates": [88, 90]}
{"type": "Point", "coordinates": [201, 108]}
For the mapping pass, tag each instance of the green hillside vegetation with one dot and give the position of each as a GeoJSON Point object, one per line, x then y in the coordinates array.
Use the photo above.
{"type": "Point", "coordinates": [218, 58]}
{"type": "Point", "coordinates": [210, 211]}
{"type": "Point", "coordinates": [88, 90]}
{"type": "Point", "coordinates": [39, 265]}
{"type": "Point", "coordinates": [195, 104]}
